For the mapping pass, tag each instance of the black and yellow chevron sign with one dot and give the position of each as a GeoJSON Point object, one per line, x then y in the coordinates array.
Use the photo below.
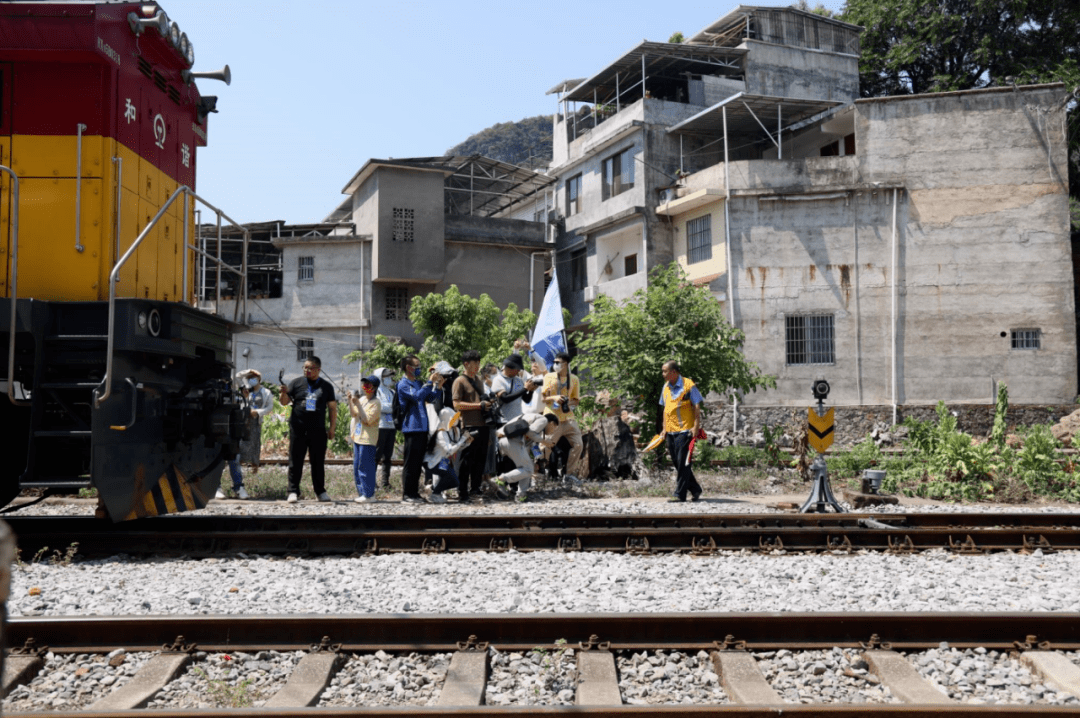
{"type": "Point", "coordinates": [820, 434]}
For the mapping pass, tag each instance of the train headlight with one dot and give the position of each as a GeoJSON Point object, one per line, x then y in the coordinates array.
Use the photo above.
{"type": "Point", "coordinates": [154, 323]}
{"type": "Point", "coordinates": [174, 35]}
{"type": "Point", "coordinates": [185, 48]}
{"type": "Point", "coordinates": [142, 320]}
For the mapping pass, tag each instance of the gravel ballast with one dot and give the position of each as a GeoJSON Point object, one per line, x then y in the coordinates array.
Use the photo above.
{"type": "Point", "coordinates": [668, 677]}
{"type": "Point", "coordinates": [551, 582]}
{"type": "Point", "coordinates": [72, 681]}
{"type": "Point", "coordinates": [384, 679]}
{"type": "Point", "coordinates": [981, 677]}
{"type": "Point", "coordinates": [835, 676]}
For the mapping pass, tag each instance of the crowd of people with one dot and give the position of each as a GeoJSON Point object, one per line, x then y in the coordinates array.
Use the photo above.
{"type": "Point", "coordinates": [481, 432]}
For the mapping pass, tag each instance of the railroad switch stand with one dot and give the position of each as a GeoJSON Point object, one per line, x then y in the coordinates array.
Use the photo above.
{"type": "Point", "coordinates": [819, 433]}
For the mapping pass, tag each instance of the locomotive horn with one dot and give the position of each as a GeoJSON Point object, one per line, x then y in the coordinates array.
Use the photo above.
{"type": "Point", "coordinates": [224, 74]}
{"type": "Point", "coordinates": [139, 24]}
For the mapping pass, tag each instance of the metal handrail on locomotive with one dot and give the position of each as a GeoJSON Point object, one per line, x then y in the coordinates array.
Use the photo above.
{"type": "Point", "coordinates": [116, 380]}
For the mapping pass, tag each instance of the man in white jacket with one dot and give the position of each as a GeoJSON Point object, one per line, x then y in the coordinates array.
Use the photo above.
{"type": "Point", "coordinates": [260, 403]}
{"type": "Point", "coordinates": [515, 441]}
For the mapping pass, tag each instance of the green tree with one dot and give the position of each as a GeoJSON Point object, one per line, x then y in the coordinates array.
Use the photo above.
{"type": "Point", "coordinates": [676, 38]}
{"type": "Point", "coordinates": [384, 352]}
{"type": "Point", "coordinates": [626, 343]}
{"type": "Point", "coordinates": [452, 323]}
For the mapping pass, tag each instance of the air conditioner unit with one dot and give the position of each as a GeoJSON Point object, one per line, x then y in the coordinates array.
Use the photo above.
{"type": "Point", "coordinates": [590, 293]}
{"type": "Point", "coordinates": [667, 195]}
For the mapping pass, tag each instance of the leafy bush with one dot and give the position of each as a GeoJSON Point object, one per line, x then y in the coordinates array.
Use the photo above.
{"type": "Point", "coordinates": [862, 456]}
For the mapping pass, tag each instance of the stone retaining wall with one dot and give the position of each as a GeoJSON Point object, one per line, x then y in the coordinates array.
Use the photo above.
{"type": "Point", "coordinates": [853, 423]}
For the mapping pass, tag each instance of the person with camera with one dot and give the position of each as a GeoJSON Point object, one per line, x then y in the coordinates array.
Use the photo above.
{"type": "Point", "coordinates": [513, 392]}
{"type": "Point", "coordinates": [468, 392]}
{"type": "Point", "coordinates": [364, 430]}
{"type": "Point", "coordinates": [682, 420]}
{"type": "Point", "coordinates": [516, 439]}
{"type": "Point", "coordinates": [561, 393]}
{"type": "Point", "coordinates": [414, 394]}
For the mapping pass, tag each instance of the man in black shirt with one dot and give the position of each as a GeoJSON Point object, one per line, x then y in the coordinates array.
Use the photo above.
{"type": "Point", "coordinates": [310, 398]}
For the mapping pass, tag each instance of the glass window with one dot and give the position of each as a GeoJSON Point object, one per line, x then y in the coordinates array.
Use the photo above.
{"type": "Point", "coordinates": [618, 173]}
{"type": "Point", "coordinates": [305, 349]}
{"type": "Point", "coordinates": [810, 339]}
{"type": "Point", "coordinates": [699, 239]}
{"type": "Point", "coordinates": [573, 195]}
{"type": "Point", "coordinates": [630, 265]}
{"type": "Point", "coordinates": [578, 277]}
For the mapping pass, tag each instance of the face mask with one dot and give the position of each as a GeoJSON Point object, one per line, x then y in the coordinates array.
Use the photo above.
{"type": "Point", "coordinates": [368, 389]}
{"type": "Point", "coordinates": [253, 382]}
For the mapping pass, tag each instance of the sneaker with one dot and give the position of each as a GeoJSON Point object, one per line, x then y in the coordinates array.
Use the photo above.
{"type": "Point", "coordinates": [572, 480]}
{"type": "Point", "coordinates": [242, 494]}
{"type": "Point", "coordinates": [292, 498]}
{"type": "Point", "coordinates": [696, 497]}
{"type": "Point", "coordinates": [437, 499]}
{"type": "Point", "coordinates": [412, 500]}
{"type": "Point", "coordinates": [521, 497]}
{"type": "Point", "coordinates": [219, 495]}
{"type": "Point", "coordinates": [501, 489]}
{"type": "Point", "coordinates": [325, 497]}
{"type": "Point", "coordinates": [361, 499]}
{"type": "Point", "coordinates": [675, 500]}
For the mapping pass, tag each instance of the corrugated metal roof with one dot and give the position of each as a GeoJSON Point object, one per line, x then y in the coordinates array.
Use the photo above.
{"type": "Point", "coordinates": [660, 57]}
{"type": "Point", "coordinates": [747, 113]}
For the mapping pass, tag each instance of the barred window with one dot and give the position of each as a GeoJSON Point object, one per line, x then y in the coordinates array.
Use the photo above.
{"type": "Point", "coordinates": [403, 225]}
{"type": "Point", "coordinates": [810, 339]}
{"type": "Point", "coordinates": [397, 304]}
{"type": "Point", "coordinates": [699, 239]}
{"type": "Point", "coordinates": [618, 173]}
{"type": "Point", "coordinates": [306, 269]}
{"type": "Point", "coordinates": [1026, 339]}
{"type": "Point", "coordinates": [305, 349]}
{"type": "Point", "coordinates": [573, 195]}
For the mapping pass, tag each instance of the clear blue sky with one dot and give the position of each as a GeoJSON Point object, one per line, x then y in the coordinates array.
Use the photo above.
{"type": "Point", "coordinates": [320, 88]}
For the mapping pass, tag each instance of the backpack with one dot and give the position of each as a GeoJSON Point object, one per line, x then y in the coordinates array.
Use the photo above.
{"type": "Point", "coordinates": [516, 428]}
{"type": "Point", "coordinates": [398, 412]}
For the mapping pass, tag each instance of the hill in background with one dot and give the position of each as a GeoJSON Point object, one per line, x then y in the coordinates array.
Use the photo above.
{"type": "Point", "coordinates": [526, 143]}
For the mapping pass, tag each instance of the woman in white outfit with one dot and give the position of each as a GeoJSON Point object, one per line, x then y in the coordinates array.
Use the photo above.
{"type": "Point", "coordinates": [447, 441]}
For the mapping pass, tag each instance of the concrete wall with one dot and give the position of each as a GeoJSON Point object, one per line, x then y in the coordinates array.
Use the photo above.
{"type": "Point", "coordinates": [982, 248]}
{"type": "Point", "coordinates": [786, 71]}
{"type": "Point", "coordinates": [419, 191]}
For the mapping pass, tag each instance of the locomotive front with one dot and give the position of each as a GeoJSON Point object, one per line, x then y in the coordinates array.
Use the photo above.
{"type": "Point", "coordinates": [120, 385]}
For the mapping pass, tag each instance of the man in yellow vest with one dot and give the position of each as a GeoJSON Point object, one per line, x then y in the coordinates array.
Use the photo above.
{"type": "Point", "coordinates": [682, 418]}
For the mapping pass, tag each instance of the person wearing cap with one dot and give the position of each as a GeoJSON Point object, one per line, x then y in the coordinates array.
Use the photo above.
{"type": "Point", "coordinates": [260, 403]}
{"type": "Point", "coordinates": [364, 429]}
{"type": "Point", "coordinates": [384, 448]}
{"type": "Point", "coordinates": [443, 445]}
{"type": "Point", "coordinates": [513, 391]}
{"type": "Point", "coordinates": [516, 439]}
{"type": "Point", "coordinates": [681, 402]}
{"type": "Point", "coordinates": [468, 393]}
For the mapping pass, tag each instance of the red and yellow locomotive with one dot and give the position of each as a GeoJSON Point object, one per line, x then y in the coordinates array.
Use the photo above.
{"type": "Point", "coordinates": [100, 119]}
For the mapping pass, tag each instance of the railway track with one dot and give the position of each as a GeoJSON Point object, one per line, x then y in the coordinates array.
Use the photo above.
{"type": "Point", "coordinates": [211, 535]}
{"type": "Point", "coordinates": [889, 643]}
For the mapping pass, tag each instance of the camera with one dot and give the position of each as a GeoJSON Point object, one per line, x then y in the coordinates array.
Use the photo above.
{"type": "Point", "coordinates": [564, 405]}
{"type": "Point", "coordinates": [493, 414]}
{"type": "Point", "coordinates": [820, 389]}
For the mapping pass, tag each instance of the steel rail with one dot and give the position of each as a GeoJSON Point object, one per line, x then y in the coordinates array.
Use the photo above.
{"type": "Point", "coordinates": [906, 631]}
{"type": "Point", "coordinates": [214, 535]}
{"type": "Point", "coordinates": [714, 632]}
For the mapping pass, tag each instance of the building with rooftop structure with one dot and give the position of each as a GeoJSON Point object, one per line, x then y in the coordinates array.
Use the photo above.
{"type": "Point", "coordinates": [908, 249]}
{"type": "Point", "coordinates": [407, 227]}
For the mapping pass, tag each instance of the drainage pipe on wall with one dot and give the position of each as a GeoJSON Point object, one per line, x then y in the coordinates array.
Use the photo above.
{"type": "Point", "coordinates": [727, 248]}
{"type": "Point", "coordinates": [895, 261]}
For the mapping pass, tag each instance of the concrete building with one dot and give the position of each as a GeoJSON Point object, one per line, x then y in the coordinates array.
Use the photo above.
{"type": "Point", "coordinates": [408, 227]}
{"type": "Point", "coordinates": [908, 249]}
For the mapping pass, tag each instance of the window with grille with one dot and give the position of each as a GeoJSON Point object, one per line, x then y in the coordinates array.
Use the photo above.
{"type": "Point", "coordinates": [403, 225]}
{"type": "Point", "coordinates": [578, 277]}
{"type": "Point", "coordinates": [699, 239]}
{"type": "Point", "coordinates": [397, 304]}
{"type": "Point", "coordinates": [573, 195]}
{"type": "Point", "coordinates": [1026, 339]}
{"type": "Point", "coordinates": [618, 173]}
{"type": "Point", "coordinates": [306, 269]}
{"type": "Point", "coordinates": [305, 349]}
{"type": "Point", "coordinates": [810, 339]}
